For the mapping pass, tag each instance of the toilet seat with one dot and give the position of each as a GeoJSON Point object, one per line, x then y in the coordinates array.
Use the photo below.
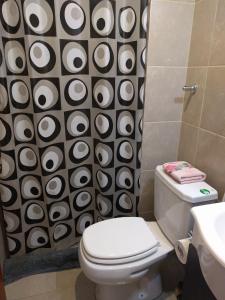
{"type": "Point", "coordinates": [118, 260]}
{"type": "Point", "coordinates": [119, 240]}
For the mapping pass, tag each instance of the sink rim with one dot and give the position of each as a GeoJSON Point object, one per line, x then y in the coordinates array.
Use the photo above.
{"type": "Point", "coordinates": [205, 217]}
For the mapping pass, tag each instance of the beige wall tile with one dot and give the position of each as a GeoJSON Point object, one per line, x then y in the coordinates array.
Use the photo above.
{"type": "Point", "coordinates": [164, 94]}
{"type": "Point", "coordinates": [193, 102]}
{"type": "Point", "coordinates": [206, 109]}
{"type": "Point", "coordinates": [170, 33]}
{"type": "Point", "coordinates": [188, 143]}
{"type": "Point", "coordinates": [202, 30]}
{"type": "Point", "coordinates": [214, 105]}
{"type": "Point", "coordinates": [30, 286]}
{"type": "Point", "coordinates": [218, 44]}
{"type": "Point", "coordinates": [146, 191]}
{"type": "Point", "coordinates": [211, 159]}
{"type": "Point", "coordinates": [160, 143]}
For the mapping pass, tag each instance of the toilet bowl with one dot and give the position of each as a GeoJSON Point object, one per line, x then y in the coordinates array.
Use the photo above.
{"type": "Point", "coordinates": [122, 255]}
{"type": "Point", "coordinates": [126, 277]}
{"type": "Point", "coordinates": [124, 261]}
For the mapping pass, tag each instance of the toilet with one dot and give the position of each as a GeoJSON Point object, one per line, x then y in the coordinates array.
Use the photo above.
{"type": "Point", "coordinates": [122, 255]}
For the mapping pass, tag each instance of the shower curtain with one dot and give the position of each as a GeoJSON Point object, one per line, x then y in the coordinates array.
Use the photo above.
{"type": "Point", "coordinates": [71, 101]}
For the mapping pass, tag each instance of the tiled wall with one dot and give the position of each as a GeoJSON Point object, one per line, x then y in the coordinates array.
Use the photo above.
{"type": "Point", "coordinates": [168, 51]}
{"type": "Point", "coordinates": [203, 129]}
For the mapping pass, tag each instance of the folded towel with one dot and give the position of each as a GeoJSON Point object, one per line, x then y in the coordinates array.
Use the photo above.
{"type": "Point", "coordinates": [175, 166]}
{"type": "Point", "coordinates": [183, 172]}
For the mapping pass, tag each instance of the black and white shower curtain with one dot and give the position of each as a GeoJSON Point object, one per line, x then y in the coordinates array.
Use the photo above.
{"type": "Point", "coordinates": [71, 101]}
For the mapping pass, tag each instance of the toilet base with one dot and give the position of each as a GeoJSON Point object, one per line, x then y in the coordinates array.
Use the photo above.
{"type": "Point", "coordinates": [147, 288]}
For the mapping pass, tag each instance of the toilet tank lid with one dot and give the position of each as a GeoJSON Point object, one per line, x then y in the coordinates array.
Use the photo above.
{"type": "Point", "coordinates": [192, 192]}
{"type": "Point", "coordinates": [118, 238]}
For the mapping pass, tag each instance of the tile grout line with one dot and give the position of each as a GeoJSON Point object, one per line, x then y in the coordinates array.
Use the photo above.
{"type": "Point", "coordinates": [162, 122]}
{"type": "Point", "coordinates": [167, 67]}
{"type": "Point", "coordinates": [186, 67]}
{"type": "Point", "coordinates": [178, 144]}
{"type": "Point", "coordinates": [206, 130]}
{"type": "Point", "coordinates": [212, 35]}
{"type": "Point", "coordinates": [209, 66]}
{"type": "Point", "coordinates": [213, 133]}
{"type": "Point", "coordinates": [201, 114]}
{"type": "Point", "coordinates": [193, 2]}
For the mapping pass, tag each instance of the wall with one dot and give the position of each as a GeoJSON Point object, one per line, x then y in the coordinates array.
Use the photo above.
{"type": "Point", "coordinates": [168, 51]}
{"type": "Point", "coordinates": [203, 129]}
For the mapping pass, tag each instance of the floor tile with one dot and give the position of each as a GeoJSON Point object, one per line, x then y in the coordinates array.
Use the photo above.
{"type": "Point", "coordinates": [31, 286]}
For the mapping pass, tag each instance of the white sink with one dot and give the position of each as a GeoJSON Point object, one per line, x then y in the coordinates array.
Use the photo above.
{"type": "Point", "coordinates": [209, 241]}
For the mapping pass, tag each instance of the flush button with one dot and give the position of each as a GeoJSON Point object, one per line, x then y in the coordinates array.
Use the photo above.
{"type": "Point", "coordinates": [205, 191]}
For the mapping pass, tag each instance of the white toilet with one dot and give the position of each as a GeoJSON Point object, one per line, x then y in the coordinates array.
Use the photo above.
{"type": "Point", "coordinates": [121, 255]}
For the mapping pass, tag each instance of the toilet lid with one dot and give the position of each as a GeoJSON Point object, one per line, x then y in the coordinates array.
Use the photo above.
{"type": "Point", "coordinates": [118, 238]}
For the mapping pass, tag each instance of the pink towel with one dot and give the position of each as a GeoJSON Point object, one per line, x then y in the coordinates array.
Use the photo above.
{"type": "Point", "coordinates": [183, 172]}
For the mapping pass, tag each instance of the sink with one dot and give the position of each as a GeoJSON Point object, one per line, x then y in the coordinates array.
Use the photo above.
{"type": "Point", "coordinates": [209, 241]}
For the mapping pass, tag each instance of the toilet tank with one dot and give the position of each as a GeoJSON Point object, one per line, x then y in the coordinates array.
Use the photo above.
{"type": "Point", "coordinates": [173, 201]}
